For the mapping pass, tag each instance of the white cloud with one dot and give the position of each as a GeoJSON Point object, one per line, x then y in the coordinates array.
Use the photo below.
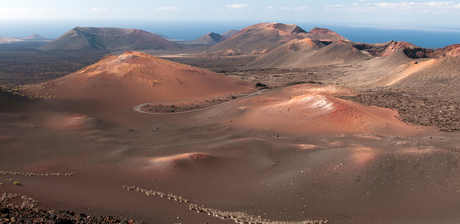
{"type": "Point", "coordinates": [237, 6]}
{"type": "Point", "coordinates": [302, 8]}
{"type": "Point", "coordinates": [168, 8]}
{"type": "Point", "coordinates": [433, 6]}
{"type": "Point", "coordinates": [99, 9]}
{"type": "Point", "coordinates": [412, 5]}
{"type": "Point", "coordinates": [334, 6]}
{"type": "Point", "coordinates": [270, 7]}
{"type": "Point", "coordinates": [285, 8]}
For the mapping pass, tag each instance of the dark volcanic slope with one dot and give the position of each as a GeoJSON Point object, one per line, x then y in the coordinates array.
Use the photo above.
{"type": "Point", "coordinates": [10, 100]}
{"type": "Point", "coordinates": [91, 38]}
{"type": "Point", "coordinates": [209, 39]}
{"type": "Point", "coordinates": [386, 49]}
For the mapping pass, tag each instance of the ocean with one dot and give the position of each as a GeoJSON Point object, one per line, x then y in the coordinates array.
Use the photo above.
{"type": "Point", "coordinates": [189, 30]}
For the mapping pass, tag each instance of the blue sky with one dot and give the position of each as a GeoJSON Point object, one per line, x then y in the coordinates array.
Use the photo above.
{"type": "Point", "coordinates": [352, 12]}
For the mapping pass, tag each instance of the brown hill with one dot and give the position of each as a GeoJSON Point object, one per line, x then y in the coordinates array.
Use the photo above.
{"type": "Point", "coordinates": [405, 67]}
{"type": "Point", "coordinates": [378, 71]}
{"type": "Point", "coordinates": [313, 109]}
{"type": "Point", "coordinates": [230, 33]}
{"type": "Point", "coordinates": [264, 37]}
{"type": "Point", "coordinates": [209, 39]}
{"type": "Point", "coordinates": [257, 39]}
{"type": "Point", "coordinates": [434, 77]}
{"type": "Point", "coordinates": [309, 53]}
{"type": "Point", "coordinates": [123, 81]}
{"type": "Point", "coordinates": [324, 35]}
{"type": "Point", "coordinates": [386, 49]}
{"type": "Point", "coordinates": [287, 55]}
{"type": "Point", "coordinates": [451, 50]}
{"type": "Point", "coordinates": [91, 38]}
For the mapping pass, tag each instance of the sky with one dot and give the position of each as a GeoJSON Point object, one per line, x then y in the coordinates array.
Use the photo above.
{"type": "Point", "coordinates": [52, 18]}
{"type": "Point", "coordinates": [354, 12]}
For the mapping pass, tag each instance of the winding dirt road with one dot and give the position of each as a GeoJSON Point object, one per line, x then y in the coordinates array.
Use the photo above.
{"type": "Point", "coordinates": [138, 107]}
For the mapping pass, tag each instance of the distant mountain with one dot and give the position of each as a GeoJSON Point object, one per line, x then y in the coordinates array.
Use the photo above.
{"type": "Point", "coordinates": [322, 46]}
{"type": "Point", "coordinates": [162, 36]}
{"type": "Point", "coordinates": [35, 37]}
{"type": "Point", "coordinates": [326, 51]}
{"type": "Point", "coordinates": [229, 33]}
{"type": "Point", "coordinates": [262, 38]}
{"type": "Point", "coordinates": [7, 40]}
{"type": "Point", "coordinates": [209, 39]}
{"type": "Point", "coordinates": [32, 38]}
{"type": "Point", "coordinates": [386, 49]}
{"type": "Point", "coordinates": [324, 34]}
{"type": "Point", "coordinates": [309, 53]}
{"type": "Point", "coordinates": [257, 39]}
{"type": "Point", "coordinates": [451, 50]}
{"type": "Point", "coordinates": [92, 38]}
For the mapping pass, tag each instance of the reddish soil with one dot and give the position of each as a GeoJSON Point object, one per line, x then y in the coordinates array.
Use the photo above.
{"type": "Point", "coordinates": [295, 153]}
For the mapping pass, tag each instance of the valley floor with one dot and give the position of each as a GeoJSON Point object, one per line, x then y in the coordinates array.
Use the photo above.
{"type": "Point", "coordinates": [300, 152]}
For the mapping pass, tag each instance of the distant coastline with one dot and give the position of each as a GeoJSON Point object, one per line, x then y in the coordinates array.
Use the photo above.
{"type": "Point", "coordinates": [191, 30]}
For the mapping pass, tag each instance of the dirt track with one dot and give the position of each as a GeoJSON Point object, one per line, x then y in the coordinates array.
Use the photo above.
{"type": "Point", "coordinates": [186, 106]}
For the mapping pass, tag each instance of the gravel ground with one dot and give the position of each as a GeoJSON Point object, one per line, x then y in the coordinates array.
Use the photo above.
{"type": "Point", "coordinates": [27, 213]}
{"type": "Point", "coordinates": [444, 115]}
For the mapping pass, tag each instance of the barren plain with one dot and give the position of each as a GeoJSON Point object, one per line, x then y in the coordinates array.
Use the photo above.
{"type": "Point", "coordinates": [337, 142]}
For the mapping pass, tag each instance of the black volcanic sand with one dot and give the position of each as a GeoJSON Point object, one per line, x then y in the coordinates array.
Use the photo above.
{"type": "Point", "coordinates": [444, 115]}
{"type": "Point", "coordinates": [21, 67]}
{"type": "Point", "coordinates": [27, 212]}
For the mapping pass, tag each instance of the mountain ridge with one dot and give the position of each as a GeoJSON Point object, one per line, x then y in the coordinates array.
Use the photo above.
{"type": "Point", "coordinates": [262, 38]}
{"type": "Point", "coordinates": [97, 38]}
